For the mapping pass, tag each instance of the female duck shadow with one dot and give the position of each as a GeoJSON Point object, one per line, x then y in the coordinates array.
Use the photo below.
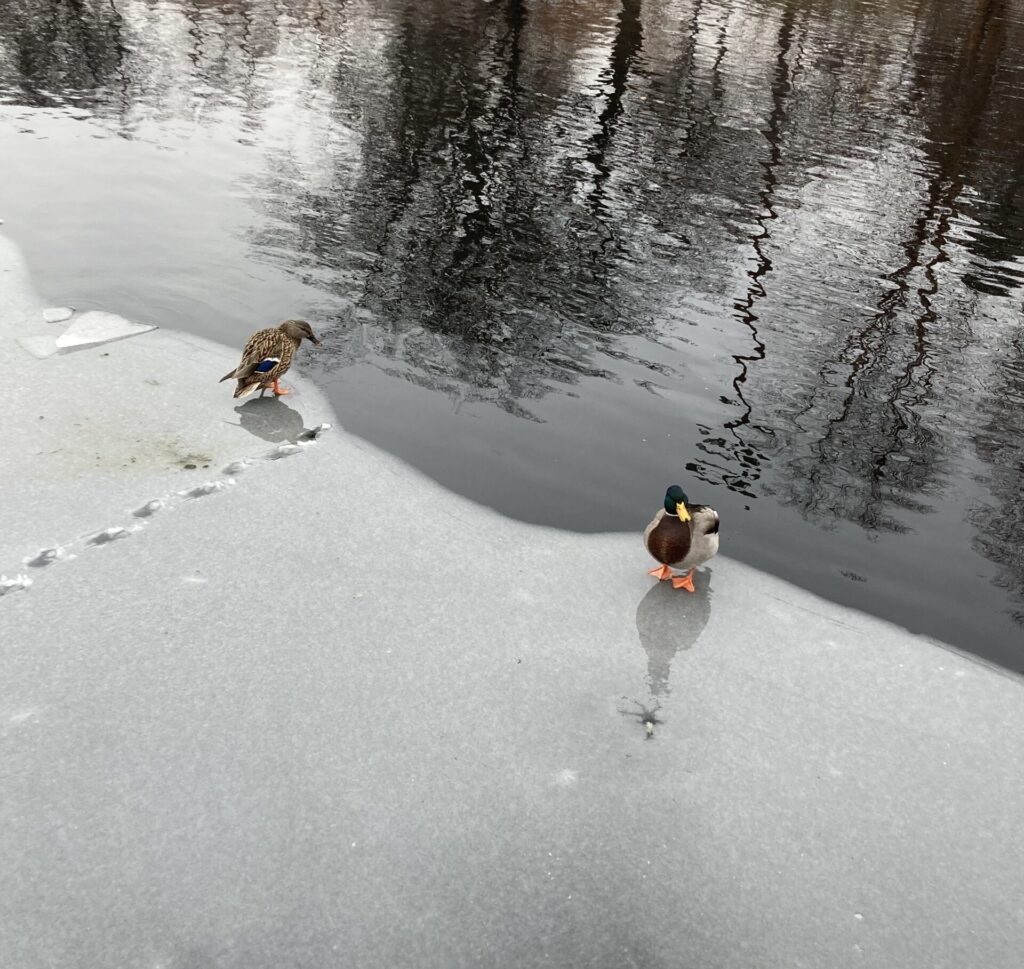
{"type": "Point", "coordinates": [669, 620]}
{"type": "Point", "coordinates": [271, 419]}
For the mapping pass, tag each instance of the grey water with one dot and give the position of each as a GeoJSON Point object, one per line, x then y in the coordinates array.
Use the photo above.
{"type": "Point", "coordinates": [563, 254]}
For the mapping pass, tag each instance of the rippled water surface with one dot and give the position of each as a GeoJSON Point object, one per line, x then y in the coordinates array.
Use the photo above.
{"type": "Point", "coordinates": [566, 253]}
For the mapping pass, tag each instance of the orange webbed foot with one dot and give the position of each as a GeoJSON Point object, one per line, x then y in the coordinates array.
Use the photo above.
{"type": "Point", "coordinates": [661, 573]}
{"type": "Point", "coordinates": [684, 582]}
{"type": "Point", "coordinates": [278, 391]}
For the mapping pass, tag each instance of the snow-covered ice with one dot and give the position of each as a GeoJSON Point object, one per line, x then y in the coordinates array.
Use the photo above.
{"type": "Point", "coordinates": [336, 715]}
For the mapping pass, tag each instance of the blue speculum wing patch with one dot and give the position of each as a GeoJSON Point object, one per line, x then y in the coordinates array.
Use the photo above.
{"type": "Point", "coordinates": [264, 366]}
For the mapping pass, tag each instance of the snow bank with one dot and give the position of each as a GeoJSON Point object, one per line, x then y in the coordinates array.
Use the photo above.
{"type": "Point", "coordinates": [273, 699]}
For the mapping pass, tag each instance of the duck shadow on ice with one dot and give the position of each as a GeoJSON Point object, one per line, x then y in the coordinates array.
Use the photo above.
{"type": "Point", "coordinates": [271, 419]}
{"type": "Point", "coordinates": [669, 621]}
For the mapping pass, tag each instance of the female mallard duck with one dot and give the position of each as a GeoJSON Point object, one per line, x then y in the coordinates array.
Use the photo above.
{"type": "Point", "coordinates": [681, 537]}
{"type": "Point", "coordinates": [266, 357]}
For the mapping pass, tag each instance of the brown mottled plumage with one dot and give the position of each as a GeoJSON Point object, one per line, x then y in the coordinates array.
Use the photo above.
{"type": "Point", "coordinates": [275, 345]}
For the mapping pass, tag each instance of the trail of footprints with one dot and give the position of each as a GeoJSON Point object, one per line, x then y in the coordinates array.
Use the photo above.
{"type": "Point", "coordinates": [58, 553]}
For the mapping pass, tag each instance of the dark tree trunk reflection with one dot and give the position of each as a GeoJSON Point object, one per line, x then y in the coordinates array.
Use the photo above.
{"type": "Point", "coordinates": [773, 249]}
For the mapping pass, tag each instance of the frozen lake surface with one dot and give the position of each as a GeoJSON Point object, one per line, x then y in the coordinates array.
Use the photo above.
{"type": "Point", "coordinates": [410, 732]}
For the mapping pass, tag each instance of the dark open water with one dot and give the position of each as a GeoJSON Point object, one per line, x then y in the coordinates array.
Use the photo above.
{"type": "Point", "coordinates": [566, 253]}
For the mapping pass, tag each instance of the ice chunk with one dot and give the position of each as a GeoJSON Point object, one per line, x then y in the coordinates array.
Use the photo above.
{"type": "Point", "coordinates": [38, 346]}
{"type": "Point", "coordinates": [58, 314]}
{"type": "Point", "coordinates": [97, 326]}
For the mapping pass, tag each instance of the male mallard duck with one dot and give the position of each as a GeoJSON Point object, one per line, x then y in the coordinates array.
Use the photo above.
{"type": "Point", "coordinates": [267, 355]}
{"type": "Point", "coordinates": [681, 536]}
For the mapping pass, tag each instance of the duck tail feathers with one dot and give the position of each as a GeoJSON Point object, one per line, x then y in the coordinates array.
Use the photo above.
{"type": "Point", "coordinates": [243, 390]}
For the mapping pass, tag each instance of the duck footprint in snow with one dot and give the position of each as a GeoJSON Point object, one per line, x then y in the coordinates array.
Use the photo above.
{"type": "Point", "coordinates": [208, 488]}
{"type": "Point", "coordinates": [16, 584]}
{"type": "Point", "coordinates": [45, 556]}
{"type": "Point", "coordinates": [108, 535]}
{"type": "Point", "coordinates": [314, 432]}
{"type": "Point", "coordinates": [284, 450]}
{"type": "Point", "coordinates": [149, 509]}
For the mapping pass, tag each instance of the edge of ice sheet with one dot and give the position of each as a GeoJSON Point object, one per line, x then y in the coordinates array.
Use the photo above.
{"type": "Point", "coordinates": [322, 724]}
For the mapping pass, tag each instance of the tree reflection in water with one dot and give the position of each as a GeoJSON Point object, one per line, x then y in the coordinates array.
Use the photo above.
{"type": "Point", "coordinates": [774, 247]}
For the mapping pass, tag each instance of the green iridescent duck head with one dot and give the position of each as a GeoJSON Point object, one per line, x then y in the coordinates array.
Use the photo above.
{"type": "Point", "coordinates": [676, 502]}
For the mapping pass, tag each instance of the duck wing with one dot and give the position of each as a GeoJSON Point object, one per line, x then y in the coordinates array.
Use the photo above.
{"type": "Point", "coordinates": [261, 354]}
